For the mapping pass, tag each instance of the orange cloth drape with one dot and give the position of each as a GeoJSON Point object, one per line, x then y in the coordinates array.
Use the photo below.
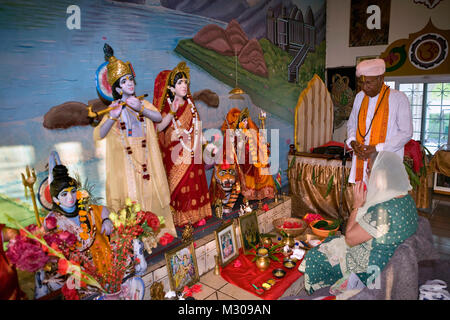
{"type": "Point", "coordinates": [379, 125]}
{"type": "Point", "coordinates": [100, 249]}
{"type": "Point", "coordinates": [254, 177]}
{"type": "Point", "coordinates": [9, 283]}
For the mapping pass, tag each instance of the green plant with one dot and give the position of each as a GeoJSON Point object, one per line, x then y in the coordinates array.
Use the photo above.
{"type": "Point", "coordinates": [324, 225]}
{"type": "Point", "coordinates": [271, 251]}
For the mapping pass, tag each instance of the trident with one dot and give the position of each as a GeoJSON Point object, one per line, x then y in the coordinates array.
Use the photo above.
{"type": "Point", "coordinates": [28, 182]}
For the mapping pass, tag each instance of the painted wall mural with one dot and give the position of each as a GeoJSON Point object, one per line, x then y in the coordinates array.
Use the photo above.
{"type": "Point", "coordinates": [50, 58]}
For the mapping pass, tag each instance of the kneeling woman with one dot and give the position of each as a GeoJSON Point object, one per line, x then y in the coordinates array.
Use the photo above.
{"type": "Point", "coordinates": [379, 222]}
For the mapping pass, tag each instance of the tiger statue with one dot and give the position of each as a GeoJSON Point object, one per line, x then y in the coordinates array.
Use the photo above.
{"type": "Point", "coordinates": [225, 186]}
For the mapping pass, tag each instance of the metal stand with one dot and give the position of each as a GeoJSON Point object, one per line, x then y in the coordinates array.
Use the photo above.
{"type": "Point", "coordinates": [341, 194]}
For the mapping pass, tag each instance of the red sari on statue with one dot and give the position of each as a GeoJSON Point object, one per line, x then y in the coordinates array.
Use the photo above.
{"type": "Point", "coordinates": [9, 283]}
{"type": "Point", "coordinates": [183, 160]}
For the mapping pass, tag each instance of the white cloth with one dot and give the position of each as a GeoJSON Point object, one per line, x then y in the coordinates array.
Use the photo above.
{"type": "Point", "coordinates": [372, 67]}
{"type": "Point", "coordinates": [399, 130]}
{"type": "Point", "coordinates": [434, 290]}
{"type": "Point", "coordinates": [388, 179]}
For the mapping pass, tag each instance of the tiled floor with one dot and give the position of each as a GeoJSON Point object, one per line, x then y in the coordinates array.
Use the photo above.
{"type": "Point", "coordinates": [214, 287]}
{"type": "Point", "coordinates": [439, 219]}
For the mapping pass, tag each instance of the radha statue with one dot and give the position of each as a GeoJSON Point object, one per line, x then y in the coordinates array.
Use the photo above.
{"type": "Point", "coordinates": [181, 146]}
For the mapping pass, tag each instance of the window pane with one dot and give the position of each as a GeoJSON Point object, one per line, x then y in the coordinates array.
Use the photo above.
{"type": "Point", "coordinates": [434, 98]}
{"type": "Point", "coordinates": [417, 123]}
{"type": "Point", "coordinates": [435, 87]}
{"type": "Point", "coordinates": [405, 87]}
{"type": "Point", "coordinates": [416, 111]}
{"type": "Point", "coordinates": [391, 84]}
{"type": "Point", "coordinates": [416, 136]}
{"type": "Point", "coordinates": [417, 98]}
{"type": "Point", "coordinates": [411, 87]}
{"type": "Point", "coordinates": [433, 111]}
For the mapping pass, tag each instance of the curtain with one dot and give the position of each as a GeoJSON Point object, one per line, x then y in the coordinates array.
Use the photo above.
{"type": "Point", "coordinates": [315, 186]}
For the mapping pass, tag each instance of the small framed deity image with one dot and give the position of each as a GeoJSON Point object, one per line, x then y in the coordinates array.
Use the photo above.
{"type": "Point", "coordinates": [441, 184]}
{"type": "Point", "coordinates": [226, 243]}
{"type": "Point", "coordinates": [249, 231]}
{"type": "Point", "coordinates": [182, 267]}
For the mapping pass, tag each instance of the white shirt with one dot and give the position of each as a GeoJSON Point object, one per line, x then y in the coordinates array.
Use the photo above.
{"type": "Point", "coordinates": [399, 129]}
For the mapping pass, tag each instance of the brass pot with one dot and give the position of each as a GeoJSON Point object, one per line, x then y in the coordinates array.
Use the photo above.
{"type": "Point", "coordinates": [290, 241]}
{"type": "Point", "coordinates": [262, 263]}
{"type": "Point", "coordinates": [267, 241]}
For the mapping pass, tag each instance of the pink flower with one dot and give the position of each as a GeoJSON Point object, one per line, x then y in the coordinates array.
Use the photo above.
{"type": "Point", "coordinates": [26, 254]}
{"type": "Point", "coordinates": [201, 222]}
{"type": "Point", "coordinates": [50, 223]}
{"type": "Point", "coordinates": [69, 238]}
{"type": "Point", "coordinates": [237, 263]}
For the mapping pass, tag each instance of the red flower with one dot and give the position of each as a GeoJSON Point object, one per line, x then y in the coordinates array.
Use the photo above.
{"type": "Point", "coordinates": [265, 207]}
{"type": "Point", "coordinates": [152, 221]}
{"type": "Point", "coordinates": [63, 265]}
{"type": "Point", "coordinates": [165, 239]}
{"type": "Point", "coordinates": [50, 223]}
{"type": "Point", "coordinates": [69, 294]}
{"type": "Point", "coordinates": [291, 225]}
{"type": "Point", "coordinates": [310, 217]}
{"type": "Point", "coordinates": [196, 288]}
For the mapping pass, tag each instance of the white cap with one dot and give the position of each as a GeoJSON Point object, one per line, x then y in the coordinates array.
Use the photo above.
{"type": "Point", "coordinates": [372, 67]}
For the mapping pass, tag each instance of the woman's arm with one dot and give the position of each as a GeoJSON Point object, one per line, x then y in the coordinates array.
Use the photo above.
{"type": "Point", "coordinates": [167, 119]}
{"type": "Point", "coordinates": [164, 122]}
{"type": "Point", "coordinates": [354, 233]}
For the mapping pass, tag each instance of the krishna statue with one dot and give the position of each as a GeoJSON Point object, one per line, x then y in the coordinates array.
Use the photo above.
{"type": "Point", "coordinates": [134, 166]}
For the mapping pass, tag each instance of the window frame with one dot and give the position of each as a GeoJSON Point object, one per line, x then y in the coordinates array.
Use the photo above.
{"type": "Point", "coordinates": [425, 80]}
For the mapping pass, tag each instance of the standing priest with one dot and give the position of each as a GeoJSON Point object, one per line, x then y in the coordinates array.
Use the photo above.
{"type": "Point", "coordinates": [380, 119]}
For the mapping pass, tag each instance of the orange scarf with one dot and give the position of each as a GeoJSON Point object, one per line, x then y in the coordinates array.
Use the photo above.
{"type": "Point", "coordinates": [378, 125]}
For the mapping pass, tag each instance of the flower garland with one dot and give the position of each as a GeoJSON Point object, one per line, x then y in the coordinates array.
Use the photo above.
{"type": "Point", "coordinates": [194, 127]}
{"type": "Point", "coordinates": [88, 228]}
{"type": "Point", "coordinates": [129, 153]}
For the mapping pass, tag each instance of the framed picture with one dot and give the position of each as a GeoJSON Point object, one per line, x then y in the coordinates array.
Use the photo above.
{"type": "Point", "coordinates": [249, 232]}
{"type": "Point", "coordinates": [341, 83]}
{"type": "Point", "coordinates": [441, 184]}
{"type": "Point", "coordinates": [369, 22]}
{"type": "Point", "coordinates": [359, 59]}
{"type": "Point", "coordinates": [182, 267]}
{"type": "Point", "coordinates": [226, 243]}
